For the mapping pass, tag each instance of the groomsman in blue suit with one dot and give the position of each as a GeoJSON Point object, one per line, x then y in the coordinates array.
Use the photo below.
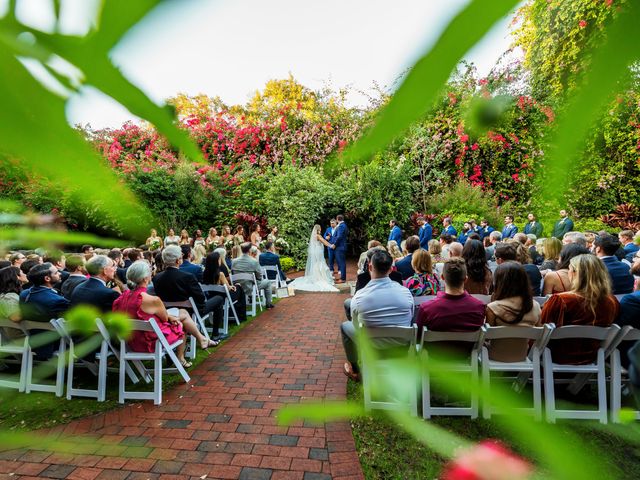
{"type": "Point", "coordinates": [425, 232]}
{"type": "Point", "coordinates": [448, 228]}
{"type": "Point", "coordinates": [396, 233]}
{"type": "Point", "coordinates": [485, 228]}
{"type": "Point", "coordinates": [329, 236]}
{"type": "Point", "coordinates": [509, 229]}
{"type": "Point", "coordinates": [533, 226]}
{"type": "Point", "coordinates": [339, 244]}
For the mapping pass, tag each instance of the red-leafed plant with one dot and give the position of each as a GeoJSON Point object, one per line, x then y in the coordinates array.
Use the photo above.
{"type": "Point", "coordinates": [625, 217]}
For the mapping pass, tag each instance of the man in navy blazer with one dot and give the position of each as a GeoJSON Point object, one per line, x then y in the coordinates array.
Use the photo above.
{"type": "Point", "coordinates": [269, 258]}
{"type": "Point", "coordinates": [533, 226]}
{"type": "Point", "coordinates": [485, 228]}
{"type": "Point", "coordinates": [396, 233]}
{"type": "Point", "coordinates": [509, 229]}
{"type": "Point", "coordinates": [339, 244]}
{"type": "Point", "coordinates": [621, 278]}
{"type": "Point", "coordinates": [404, 265]}
{"type": "Point", "coordinates": [94, 291]}
{"type": "Point", "coordinates": [630, 248]}
{"type": "Point", "coordinates": [329, 236]}
{"type": "Point", "coordinates": [448, 228]}
{"type": "Point", "coordinates": [425, 232]}
{"type": "Point", "coordinates": [187, 266]}
{"type": "Point", "coordinates": [41, 302]}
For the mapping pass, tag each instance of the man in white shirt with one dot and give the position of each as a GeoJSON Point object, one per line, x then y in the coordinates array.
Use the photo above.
{"type": "Point", "coordinates": [382, 303]}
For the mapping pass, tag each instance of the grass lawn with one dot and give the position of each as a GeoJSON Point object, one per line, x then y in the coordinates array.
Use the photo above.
{"type": "Point", "coordinates": [19, 411]}
{"type": "Point", "coordinates": [387, 452]}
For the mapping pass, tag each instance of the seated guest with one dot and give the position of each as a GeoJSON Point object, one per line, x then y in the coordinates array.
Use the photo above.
{"type": "Point", "coordinates": [574, 237]}
{"type": "Point", "coordinates": [591, 238]}
{"type": "Point", "coordinates": [270, 258]}
{"type": "Point", "coordinates": [557, 281]}
{"type": "Point", "coordinates": [187, 266]}
{"type": "Point", "coordinates": [236, 252]}
{"type": "Point", "coordinates": [551, 248]}
{"type": "Point", "coordinates": [630, 248]}
{"type": "Point", "coordinates": [494, 238]}
{"type": "Point", "coordinates": [619, 272]}
{"type": "Point", "coordinates": [58, 260]}
{"type": "Point", "coordinates": [454, 310]}
{"type": "Point", "coordinates": [77, 275]}
{"type": "Point", "coordinates": [213, 276]}
{"type": "Point", "coordinates": [455, 251]}
{"type": "Point", "coordinates": [87, 251]}
{"type": "Point", "coordinates": [435, 249]}
{"type": "Point", "coordinates": [517, 252]}
{"type": "Point", "coordinates": [11, 281]}
{"type": "Point", "coordinates": [531, 244]}
{"type": "Point", "coordinates": [629, 313]}
{"type": "Point", "coordinates": [199, 253]}
{"type": "Point", "coordinates": [26, 267]}
{"type": "Point", "coordinates": [382, 303]}
{"type": "Point", "coordinates": [589, 302]}
{"type": "Point", "coordinates": [511, 304]}
{"type": "Point", "coordinates": [174, 285]}
{"type": "Point", "coordinates": [424, 281]}
{"type": "Point", "coordinates": [363, 255]}
{"type": "Point", "coordinates": [247, 264]}
{"type": "Point", "coordinates": [41, 302]}
{"type": "Point", "coordinates": [445, 240]}
{"type": "Point", "coordinates": [392, 248]}
{"type": "Point", "coordinates": [17, 259]}
{"type": "Point", "coordinates": [94, 291]}
{"type": "Point", "coordinates": [479, 277]}
{"type": "Point", "coordinates": [133, 255]}
{"type": "Point", "coordinates": [225, 266]}
{"type": "Point", "coordinates": [404, 265]}
{"type": "Point", "coordinates": [121, 272]}
{"type": "Point", "coordinates": [139, 305]}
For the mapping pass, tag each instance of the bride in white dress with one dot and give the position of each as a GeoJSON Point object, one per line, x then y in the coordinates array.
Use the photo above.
{"type": "Point", "coordinates": [317, 277]}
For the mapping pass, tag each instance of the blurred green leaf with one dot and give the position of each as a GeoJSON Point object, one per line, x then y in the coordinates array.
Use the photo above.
{"type": "Point", "coordinates": [425, 80]}
{"type": "Point", "coordinates": [607, 74]}
{"type": "Point", "coordinates": [319, 412]}
{"type": "Point", "coordinates": [30, 238]}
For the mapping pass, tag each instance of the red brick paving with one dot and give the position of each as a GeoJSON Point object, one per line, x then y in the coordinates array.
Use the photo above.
{"type": "Point", "coordinates": [224, 425]}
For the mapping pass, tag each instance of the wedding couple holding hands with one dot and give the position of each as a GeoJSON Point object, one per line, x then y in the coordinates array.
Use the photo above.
{"type": "Point", "coordinates": [317, 276]}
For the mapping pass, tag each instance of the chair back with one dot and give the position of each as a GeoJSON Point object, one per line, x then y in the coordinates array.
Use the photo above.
{"type": "Point", "coordinates": [486, 299]}
{"type": "Point", "coordinates": [31, 325]}
{"type": "Point", "coordinates": [6, 323]}
{"type": "Point", "coordinates": [585, 331]}
{"type": "Point", "coordinates": [541, 300]}
{"type": "Point", "coordinates": [429, 336]}
{"type": "Point", "coordinates": [423, 299]}
{"type": "Point", "coordinates": [529, 333]}
{"type": "Point", "coordinates": [213, 288]}
{"type": "Point", "coordinates": [182, 304]}
{"type": "Point", "coordinates": [249, 277]}
{"type": "Point", "coordinates": [142, 325]}
{"type": "Point", "coordinates": [404, 334]}
{"type": "Point", "coordinates": [629, 333]}
{"type": "Point", "coordinates": [619, 296]}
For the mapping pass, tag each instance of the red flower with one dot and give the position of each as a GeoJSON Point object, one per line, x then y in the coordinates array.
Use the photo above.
{"type": "Point", "coordinates": [516, 177]}
{"type": "Point", "coordinates": [452, 98]}
{"type": "Point", "coordinates": [582, 23]}
{"type": "Point", "coordinates": [464, 138]}
{"type": "Point", "coordinates": [487, 460]}
{"type": "Point", "coordinates": [474, 147]}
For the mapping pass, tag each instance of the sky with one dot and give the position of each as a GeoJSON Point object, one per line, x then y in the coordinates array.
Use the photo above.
{"type": "Point", "coordinates": [231, 48]}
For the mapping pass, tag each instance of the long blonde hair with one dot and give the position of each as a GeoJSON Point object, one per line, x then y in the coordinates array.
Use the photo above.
{"type": "Point", "coordinates": [392, 247]}
{"type": "Point", "coordinates": [590, 279]}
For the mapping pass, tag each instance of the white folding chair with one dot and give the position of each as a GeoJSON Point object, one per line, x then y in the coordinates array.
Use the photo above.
{"type": "Point", "coordinates": [376, 377]}
{"type": "Point", "coordinates": [607, 337]}
{"type": "Point", "coordinates": [229, 304]}
{"type": "Point", "coordinates": [162, 348]}
{"type": "Point", "coordinates": [275, 282]}
{"type": "Point", "coordinates": [417, 301]}
{"type": "Point", "coordinates": [254, 298]}
{"type": "Point", "coordinates": [98, 368]}
{"type": "Point", "coordinates": [541, 300]}
{"type": "Point", "coordinates": [19, 349]}
{"type": "Point", "coordinates": [462, 365]}
{"type": "Point", "coordinates": [530, 364]}
{"type": "Point", "coordinates": [486, 299]}
{"type": "Point", "coordinates": [619, 375]}
{"type": "Point", "coordinates": [60, 355]}
{"type": "Point", "coordinates": [197, 318]}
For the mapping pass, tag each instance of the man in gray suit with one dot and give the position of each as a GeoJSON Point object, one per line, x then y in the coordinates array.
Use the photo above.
{"type": "Point", "coordinates": [245, 263]}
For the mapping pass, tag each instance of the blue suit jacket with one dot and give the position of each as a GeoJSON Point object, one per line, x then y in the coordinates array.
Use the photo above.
{"type": "Point", "coordinates": [630, 310]}
{"type": "Point", "coordinates": [621, 278]}
{"type": "Point", "coordinates": [41, 304]}
{"type": "Point", "coordinates": [484, 232]}
{"type": "Point", "coordinates": [271, 259]}
{"type": "Point", "coordinates": [462, 238]}
{"type": "Point", "coordinates": [192, 268]}
{"type": "Point", "coordinates": [451, 231]}
{"type": "Point", "coordinates": [536, 229]}
{"type": "Point", "coordinates": [630, 250]}
{"type": "Point", "coordinates": [93, 292]}
{"type": "Point", "coordinates": [509, 231]}
{"type": "Point", "coordinates": [404, 266]}
{"type": "Point", "coordinates": [329, 233]}
{"type": "Point", "coordinates": [340, 240]}
{"type": "Point", "coordinates": [396, 234]}
{"type": "Point", "coordinates": [425, 233]}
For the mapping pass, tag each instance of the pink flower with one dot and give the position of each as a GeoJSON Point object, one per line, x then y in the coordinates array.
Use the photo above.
{"type": "Point", "coordinates": [582, 23]}
{"type": "Point", "coordinates": [474, 147]}
{"type": "Point", "coordinates": [464, 138]}
{"type": "Point", "coordinates": [487, 460]}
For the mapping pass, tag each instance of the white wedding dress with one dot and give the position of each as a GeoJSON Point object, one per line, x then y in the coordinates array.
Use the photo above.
{"type": "Point", "coordinates": [317, 277]}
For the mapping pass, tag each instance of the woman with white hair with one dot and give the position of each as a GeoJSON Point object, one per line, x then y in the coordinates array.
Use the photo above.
{"type": "Point", "coordinates": [139, 305]}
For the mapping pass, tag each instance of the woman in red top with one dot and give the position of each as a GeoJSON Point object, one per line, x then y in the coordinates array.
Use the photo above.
{"type": "Point", "coordinates": [589, 302]}
{"type": "Point", "coordinates": [139, 305]}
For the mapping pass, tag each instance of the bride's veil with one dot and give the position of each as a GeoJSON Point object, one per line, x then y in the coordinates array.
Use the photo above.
{"type": "Point", "coordinates": [312, 249]}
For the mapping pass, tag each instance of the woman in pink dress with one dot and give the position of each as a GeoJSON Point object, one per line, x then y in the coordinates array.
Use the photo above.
{"type": "Point", "coordinates": [139, 305]}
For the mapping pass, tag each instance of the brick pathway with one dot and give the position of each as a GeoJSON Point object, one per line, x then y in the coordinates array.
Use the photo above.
{"type": "Point", "coordinates": [224, 425]}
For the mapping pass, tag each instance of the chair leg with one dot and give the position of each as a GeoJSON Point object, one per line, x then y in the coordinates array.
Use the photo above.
{"type": "Point", "coordinates": [616, 387]}
{"type": "Point", "coordinates": [157, 376]}
{"type": "Point", "coordinates": [121, 372]}
{"type": "Point", "coordinates": [602, 389]}
{"type": "Point", "coordinates": [24, 365]}
{"type": "Point", "coordinates": [70, 369]}
{"type": "Point", "coordinates": [27, 388]}
{"type": "Point", "coordinates": [426, 395]}
{"type": "Point", "coordinates": [475, 383]}
{"type": "Point", "coordinates": [486, 386]}
{"type": "Point", "coordinates": [537, 393]}
{"type": "Point", "coordinates": [102, 372]}
{"type": "Point", "coordinates": [59, 390]}
{"type": "Point", "coordinates": [549, 392]}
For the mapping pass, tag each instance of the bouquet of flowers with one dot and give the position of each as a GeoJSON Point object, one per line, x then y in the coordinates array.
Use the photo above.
{"type": "Point", "coordinates": [155, 245]}
{"type": "Point", "coordinates": [262, 245]}
{"type": "Point", "coordinates": [281, 244]}
{"type": "Point", "coordinates": [228, 245]}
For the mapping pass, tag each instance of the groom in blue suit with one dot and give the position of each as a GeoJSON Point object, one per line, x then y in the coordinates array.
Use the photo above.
{"type": "Point", "coordinates": [339, 245]}
{"type": "Point", "coordinates": [329, 236]}
{"type": "Point", "coordinates": [425, 232]}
